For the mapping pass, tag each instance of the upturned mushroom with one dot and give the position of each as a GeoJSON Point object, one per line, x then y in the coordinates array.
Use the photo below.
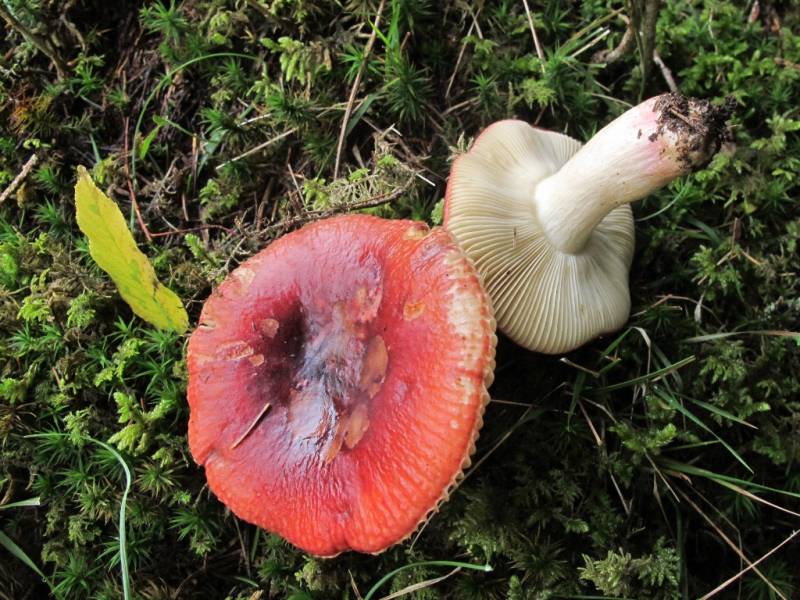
{"type": "Point", "coordinates": [547, 221]}
{"type": "Point", "coordinates": [337, 381]}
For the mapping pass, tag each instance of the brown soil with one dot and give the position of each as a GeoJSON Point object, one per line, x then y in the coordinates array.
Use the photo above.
{"type": "Point", "coordinates": [700, 127]}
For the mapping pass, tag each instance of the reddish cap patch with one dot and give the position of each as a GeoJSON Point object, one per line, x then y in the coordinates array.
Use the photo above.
{"type": "Point", "coordinates": [337, 381]}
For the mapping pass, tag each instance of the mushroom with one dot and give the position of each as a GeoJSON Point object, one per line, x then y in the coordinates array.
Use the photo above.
{"type": "Point", "coordinates": [337, 381]}
{"type": "Point", "coordinates": [548, 223]}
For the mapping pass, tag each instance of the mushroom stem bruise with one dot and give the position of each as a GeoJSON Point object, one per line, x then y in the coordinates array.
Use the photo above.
{"type": "Point", "coordinates": [634, 155]}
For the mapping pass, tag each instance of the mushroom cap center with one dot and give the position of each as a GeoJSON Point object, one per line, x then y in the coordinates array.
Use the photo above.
{"type": "Point", "coordinates": [337, 364]}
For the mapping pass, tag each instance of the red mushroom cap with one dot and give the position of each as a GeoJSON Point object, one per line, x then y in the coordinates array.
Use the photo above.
{"type": "Point", "coordinates": [337, 381]}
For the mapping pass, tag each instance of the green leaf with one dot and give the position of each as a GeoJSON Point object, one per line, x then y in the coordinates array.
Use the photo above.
{"type": "Point", "coordinates": [113, 248]}
{"type": "Point", "coordinates": [145, 145]}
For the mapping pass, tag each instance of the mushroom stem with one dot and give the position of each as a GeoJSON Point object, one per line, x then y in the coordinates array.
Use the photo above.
{"type": "Point", "coordinates": [644, 149]}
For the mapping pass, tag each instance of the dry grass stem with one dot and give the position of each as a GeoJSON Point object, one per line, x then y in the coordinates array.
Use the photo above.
{"type": "Point", "coordinates": [354, 90]}
{"type": "Point", "coordinates": [26, 169]}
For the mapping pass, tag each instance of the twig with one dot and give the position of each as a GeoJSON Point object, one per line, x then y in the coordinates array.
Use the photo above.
{"type": "Point", "coordinates": [132, 196]}
{"type": "Point", "coordinates": [251, 427]}
{"type": "Point", "coordinates": [786, 63]}
{"type": "Point", "coordinates": [190, 230]}
{"type": "Point", "coordinates": [686, 120]}
{"type": "Point", "coordinates": [729, 581]}
{"type": "Point", "coordinates": [624, 47]}
{"type": "Point", "coordinates": [598, 440]}
{"type": "Point", "coordinates": [730, 543]}
{"type": "Point", "coordinates": [539, 51]}
{"type": "Point", "coordinates": [40, 43]}
{"type": "Point", "coordinates": [354, 90]}
{"type": "Point", "coordinates": [259, 8]}
{"type": "Point", "coordinates": [567, 361]}
{"type": "Point", "coordinates": [665, 72]}
{"type": "Point", "coordinates": [26, 169]}
{"type": "Point", "coordinates": [258, 148]}
{"type": "Point", "coordinates": [648, 36]}
{"type": "Point", "coordinates": [458, 60]}
{"type": "Point", "coordinates": [354, 586]}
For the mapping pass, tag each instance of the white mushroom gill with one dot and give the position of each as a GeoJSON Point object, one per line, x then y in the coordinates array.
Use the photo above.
{"type": "Point", "coordinates": [547, 221]}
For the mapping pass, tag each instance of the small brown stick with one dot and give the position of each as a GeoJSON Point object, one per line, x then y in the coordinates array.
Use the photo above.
{"type": "Point", "coordinates": [733, 546]}
{"type": "Point", "coordinates": [665, 72]}
{"type": "Point", "coordinates": [729, 581]}
{"type": "Point", "coordinates": [459, 106]}
{"type": "Point", "coordinates": [539, 51]}
{"type": "Point", "coordinates": [786, 63]}
{"type": "Point", "coordinates": [258, 148]}
{"type": "Point", "coordinates": [132, 196]}
{"type": "Point", "coordinates": [26, 169]}
{"type": "Point", "coordinates": [683, 118]}
{"type": "Point", "coordinates": [259, 8]}
{"type": "Point", "coordinates": [354, 90]}
{"type": "Point", "coordinates": [567, 361]}
{"type": "Point", "coordinates": [624, 47]}
{"type": "Point", "coordinates": [458, 61]}
{"type": "Point", "coordinates": [296, 200]}
{"type": "Point", "coordinates": [190, 230]}
{"type": "Point", "coordinates": [648, 36]}
{"type": "Point", "coordinates": [597, 439]}
{"type": "Point", "coordinates": [252, 426]}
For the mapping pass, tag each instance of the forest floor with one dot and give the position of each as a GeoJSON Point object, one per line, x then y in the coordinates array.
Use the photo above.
{"type": "Point", "coordinates": [657, 462]}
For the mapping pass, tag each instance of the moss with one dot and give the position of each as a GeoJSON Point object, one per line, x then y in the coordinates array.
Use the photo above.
{"type": "Point", "coordinates": [584, 485]}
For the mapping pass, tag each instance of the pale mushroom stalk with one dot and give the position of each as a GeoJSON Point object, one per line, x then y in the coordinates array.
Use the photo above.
{"type": "Point", "coordinates": [547, 221]}
{"type": "Point", "coordinates": [634, 155]}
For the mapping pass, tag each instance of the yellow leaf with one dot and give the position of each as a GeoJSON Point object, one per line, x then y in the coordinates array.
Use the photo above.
{"type": "Point", "coordinates": [113, 248]}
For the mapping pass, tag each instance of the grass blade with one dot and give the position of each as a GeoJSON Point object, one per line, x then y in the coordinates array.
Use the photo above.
{"type": "Point", "coordinates": [123, 549]}
{"type": "Point", "coordinates": [721, 412]}
{"type": "Point", "coordinates": [691, 416]}
{"type": "Point", "coordinates": [29, 502]}
{"type": "Point", "coordinates": [720, 479]}
{"type": "Point", "coordinates": [17, 552]}
{"type": "Point", "coordinates": [726, 334]}
{"type": "Point", "coordinates": [649, 376]}
{"type": "Point", "coordinates": [425, 563]}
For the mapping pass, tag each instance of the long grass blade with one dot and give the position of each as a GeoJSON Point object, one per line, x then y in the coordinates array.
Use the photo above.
{"type": "Point", "coordinates": [720, 412]}
{"type": "Point", "coordinates": [694, 419]}
{"type": "Point", "coordinates": [20, 503]}
{"type": "Point", "coordinates": [680, 467]}
{"type": "Point", "coordinates": [726, 334]}
{"type": "Point", "coordinates": [649, 376]}
{"type": "Point", "coordinates": [426, 563]}
{"type": "Point", "coordinates": [730, 580]}
{"type": "Point", "coordinates": [123, 548]}
{"type": "Point", "coordinates": [17, 552]}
